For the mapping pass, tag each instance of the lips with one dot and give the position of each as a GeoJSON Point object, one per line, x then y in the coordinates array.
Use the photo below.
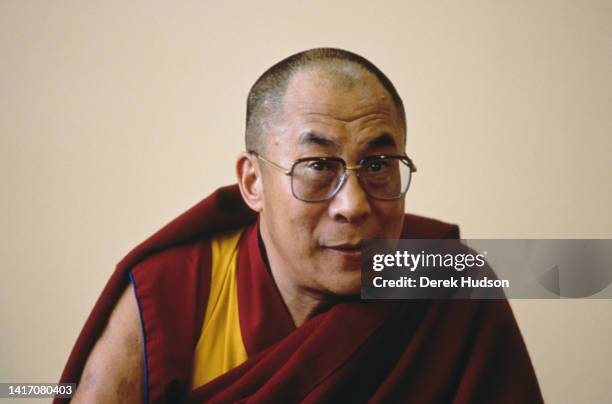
{"type": "Point", "coordinates": [350, 251]}
{"type": "Point", "coordinates": [347, 246]}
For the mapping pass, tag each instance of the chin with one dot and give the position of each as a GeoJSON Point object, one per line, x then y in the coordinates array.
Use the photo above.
{"type": "Point", "coordinates": [345, 284]}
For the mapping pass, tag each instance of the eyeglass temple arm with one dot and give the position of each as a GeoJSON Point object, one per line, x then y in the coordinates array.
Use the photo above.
{"type": "Point", "coordinates": [411, 164]}
{"type": "Point", "coordinates": [273, 164]}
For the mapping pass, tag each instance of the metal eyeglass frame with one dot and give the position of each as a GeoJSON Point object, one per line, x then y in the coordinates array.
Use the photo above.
{"type": "Point", "coordinates": [289, 171]}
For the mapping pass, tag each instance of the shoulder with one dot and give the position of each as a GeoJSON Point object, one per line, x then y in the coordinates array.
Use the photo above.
{"type": "Point", "coordinates": [173, 263]}
{"type": "Point", "coordinates": [176, 281]}
{"type": "Point", "coordinates": [424, 227]}
{"type": "Point", "coordinates": [185, 259]}
{"type": "Point", "coordinates": [181, 254]}
{"type": "Point", "coordinates": [171, 287]}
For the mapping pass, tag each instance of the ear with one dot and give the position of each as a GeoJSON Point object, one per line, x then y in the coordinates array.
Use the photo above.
{"type": "Point", "coordinates": [249, 181]}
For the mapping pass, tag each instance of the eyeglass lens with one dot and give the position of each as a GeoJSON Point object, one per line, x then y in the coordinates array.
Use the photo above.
{"type": "Point", "coordinates": [318, 180]}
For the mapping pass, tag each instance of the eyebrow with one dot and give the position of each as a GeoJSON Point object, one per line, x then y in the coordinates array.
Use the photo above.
{"type": "Point", "coordinates": [383, 140]}
{"type": "Point", "coordinates": [316, 138]}
{"type": "Point", "coordinates": [319, 139]}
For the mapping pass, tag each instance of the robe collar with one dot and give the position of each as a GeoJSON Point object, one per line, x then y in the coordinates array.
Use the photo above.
{"type": "Point", "coordinates": [264, 316]}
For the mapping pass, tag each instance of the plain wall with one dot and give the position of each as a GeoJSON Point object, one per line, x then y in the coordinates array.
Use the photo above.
{"type": "Point", "coordinates": [117, 117]}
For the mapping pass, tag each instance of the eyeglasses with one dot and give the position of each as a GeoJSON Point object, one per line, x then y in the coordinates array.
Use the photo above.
{"type": "Point", "coordinates": [317, 179]}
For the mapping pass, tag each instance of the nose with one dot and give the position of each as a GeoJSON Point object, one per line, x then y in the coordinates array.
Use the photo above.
{"type": "Point", "coordinates": [351, 203]}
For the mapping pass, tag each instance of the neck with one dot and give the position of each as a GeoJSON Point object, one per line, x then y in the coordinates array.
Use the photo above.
{"type": "Point", "coordinates": [302, 304]}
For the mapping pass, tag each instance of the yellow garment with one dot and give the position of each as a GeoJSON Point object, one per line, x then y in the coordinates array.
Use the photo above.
{"type": "Point", "coordinates": [220, 347]}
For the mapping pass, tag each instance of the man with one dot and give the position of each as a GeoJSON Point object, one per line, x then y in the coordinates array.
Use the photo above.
{"type": "Point", "coordinates": [225, 305]}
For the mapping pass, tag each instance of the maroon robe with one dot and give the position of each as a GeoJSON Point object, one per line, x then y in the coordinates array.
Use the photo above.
{"type": "Point", "coordinates": [378, 351]}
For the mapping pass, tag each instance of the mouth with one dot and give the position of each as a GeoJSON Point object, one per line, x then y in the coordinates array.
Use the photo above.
{"type": "Point", "coordinates": [350, 251]}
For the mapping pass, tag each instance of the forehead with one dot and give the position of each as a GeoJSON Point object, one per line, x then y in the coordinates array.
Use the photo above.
{"type": "Point", "coordinates": [344, 102]}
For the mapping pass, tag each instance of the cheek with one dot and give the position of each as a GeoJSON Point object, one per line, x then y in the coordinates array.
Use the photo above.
{"type": "Point", "coordinates": [277, 194]}
{"type": "Point", "coordinates": [390, 216]}
{"type": "Point", "coordinates": [302, 221]}
{"type": "Point", "coordinates": [291, 221]}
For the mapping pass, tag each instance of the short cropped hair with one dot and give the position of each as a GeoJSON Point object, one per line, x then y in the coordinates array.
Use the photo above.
{"type": "Point", "coordinates": [266, 95]}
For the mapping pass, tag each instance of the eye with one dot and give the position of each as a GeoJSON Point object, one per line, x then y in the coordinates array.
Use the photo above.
{"type": "Point", "coordinates": [377, 165]}
{"type": "Point", "coordinates": [318, 165]}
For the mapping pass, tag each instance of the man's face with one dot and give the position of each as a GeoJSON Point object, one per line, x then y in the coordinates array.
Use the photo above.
{"type": "Point", "coordinates": [347, 114]}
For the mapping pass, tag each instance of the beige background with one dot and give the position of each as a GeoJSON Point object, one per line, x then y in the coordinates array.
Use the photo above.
{"type": "Point", "coordinates": [115, 118]}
